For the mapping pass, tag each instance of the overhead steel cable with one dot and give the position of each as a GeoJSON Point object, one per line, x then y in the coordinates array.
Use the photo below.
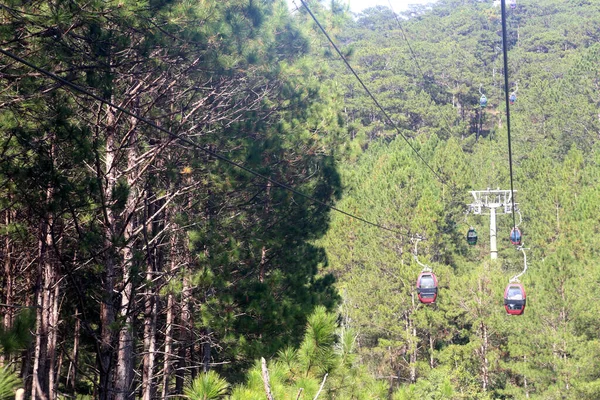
{"type": "Point", "coordinates": [415, 60]}
{"type": "Point", "coordinates": [192, 143]}
{"type": "Point", "coordinates": [506, 95]}
{"type": "Point", "coordinates": [387, 117]}
{"type": "Point", "coordinates": [414, 57]}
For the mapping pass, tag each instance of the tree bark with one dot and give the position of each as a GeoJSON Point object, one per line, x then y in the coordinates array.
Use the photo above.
{"type": "Point", "coordinates": [7, 282]}
{"type": "Point", "coordinates": [124, 377]}
{"type": "Point", "coordinates": [150, 306]}
{"type": "Point", "coordinates": [184, 335]}
{"type": "Point", "coordinates": [107, 307]}
{"type": "Point", "coordinates": [484, 359]}
{"type": "Point", "coordinates": [431, 360]}
{"type": "Point", "coordinates": [73, 366]}
{"type": "Point", "coordinates": [39, 377]}
{"type": "Point", "coordinates": [47, 290]}
{"type": "Point", "coordinates": [265, 377]}
{"type": "Point", "coordinates": [167, 365]}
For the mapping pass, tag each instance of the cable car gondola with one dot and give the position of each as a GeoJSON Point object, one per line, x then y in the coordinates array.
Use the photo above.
{"type": "Point", "coordinates": [427, 287]}
{"type": "Point", "coordinates": [512, 98]}
{"type": "Point", "coordinates": [515, 299]}
{"type": "Point", "coordinates": [483, 101]}
{"type": "Point", "coordinates": [515, 236]}
{"type": "Point", "coordinates": [512, 3]}
{"type": "Point", "coordinates": [472, 236]}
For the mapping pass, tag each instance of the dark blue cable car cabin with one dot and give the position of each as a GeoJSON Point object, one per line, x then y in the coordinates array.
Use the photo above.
{"type": "Point", "coordinates": [515, 236]}
{"type": "Point", "coordinates": [512, 98]}
{"type": "Point", "coordinates": [512, 3]}
{"type": "Point", "coordinates": [483, 101]}
{"type": "Point", "coordinates": [515, 299]}
{"type": "Point", "coordinates": [427, 287]}
{"type": "Point", "coordinates": [472, 236]}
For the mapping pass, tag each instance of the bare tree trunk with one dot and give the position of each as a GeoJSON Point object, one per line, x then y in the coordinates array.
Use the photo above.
{"type": "Point", "coordinates": [72, 371]}
{"type": "Point", "coordinates": [265, 377]}
{"type": "Point", "coordinates": [263, 261]}
{"type": "Point", "coordinates": [321, 387]}
{"type": "Point", "coordinates": [525, 380]}
{"type": "Point", "coordinates": [44, 355]}
{"type": "Point", "coordinates": [7, 287]}
{"type": "Point", "coordinates": [124, 372]}
{"type": "Point", "coordinates": [206, 349]}
{"type": "Point", "coordinates": [263, 257]}
{"type": "Point", "coordinates": [150, 350]}
{"type": "Point", "coordinates": [43, 386]}
{"type": "Point", "coordinates": [150, 306]}
{"type": "Point", "coordinates": [53, 316]}
{"type": "Point", "coordinates": [484, 364]}
{"type": "Point", "coordinates": [413, 355]}
{"type": "Point", "coordinates": [39, 384]}
{"type": "Point", "coordinates": [431, 360]}
{"type": "Point", "coordinates": [124, 377]}
{"type": "Point", "coordinates": [184, 335]}
{"type": "Point", "coordinates": [412, 333]}
{"type": "Point", "coordinates": [167, 366]}
{"type": "Point", "coordinates": [107, 306]}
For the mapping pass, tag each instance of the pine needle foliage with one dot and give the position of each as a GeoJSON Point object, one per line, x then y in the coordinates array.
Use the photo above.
{"type": "Point", "coordinates": [9, 382]}
{"type": "Point", "coordinates": [208, 386]}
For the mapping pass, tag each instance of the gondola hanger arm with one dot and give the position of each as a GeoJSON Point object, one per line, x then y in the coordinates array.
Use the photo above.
{"type": "Point", "coordinates": [425, 267]}
{"type": "Point", "coordinates": [516, 277]}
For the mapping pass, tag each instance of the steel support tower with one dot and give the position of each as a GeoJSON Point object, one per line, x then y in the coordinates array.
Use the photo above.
{"type": "Point", "coordinates": [492, 199]}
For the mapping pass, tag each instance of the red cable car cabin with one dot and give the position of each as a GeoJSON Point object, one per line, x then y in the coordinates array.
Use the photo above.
{"type": "Point", "coordinates": [427, 287]}
{"type": "Point", "coordinates": [515, 236]}
{"type": "Point", "coordinates": [515, 299]}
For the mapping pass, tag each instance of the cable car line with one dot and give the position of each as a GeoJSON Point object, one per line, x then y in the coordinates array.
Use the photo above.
{"type": "Point", "coordinates": [145, 120]}
{"type": "Point", "coordinates": [507, 99]}
{"type": "Point", "coordinates": [387, 117]}
{"type": "Point", "coordinates": [414, 57]}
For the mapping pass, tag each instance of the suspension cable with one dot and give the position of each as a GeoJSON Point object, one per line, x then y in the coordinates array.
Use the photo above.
{"type": "Point", "coordinates": [416, 61]}
{"type": "Point", "coordinates": [425, 267]}
{"type": "Point", "coordinates": [387, 117]}
{"type": "Point", "coordinates": [522, 249]}
{"type": "Point", "coordinates": [414, 57]}
{"type": "Point", "coordinates": [506, 95]}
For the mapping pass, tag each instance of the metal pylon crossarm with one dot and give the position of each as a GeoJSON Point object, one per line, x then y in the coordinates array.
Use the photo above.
{"type": "Point", "coordinates": [492, 199]}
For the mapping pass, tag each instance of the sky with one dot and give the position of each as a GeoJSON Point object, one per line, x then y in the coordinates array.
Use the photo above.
{"type": "Point", "coordinates": [357, 6]}
{"type": "Point", "coordinates": [398, 5]}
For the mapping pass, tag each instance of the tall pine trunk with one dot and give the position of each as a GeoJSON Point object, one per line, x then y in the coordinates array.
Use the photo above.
{"type": "Point", "coordinates": [150, 297]}
{"type": "Point", "coordinates": [124, 375]}
{"type": "Point", "coordinates": [484, 358]}
{"type": "Point", "coordinates": [185, 337]}
{"type": "Point", "coordinates": [168, 359]}
{"type": "Point", "coordinates": [47, 290]}
{"type": "Point", "coordinates": [73, 365]}
{"type": "Point", "coordinates": [7, 283]}
{"type": "Point", "coordinates": [107, 306]}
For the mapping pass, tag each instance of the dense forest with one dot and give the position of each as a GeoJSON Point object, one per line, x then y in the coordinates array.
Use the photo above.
{"type": "Point", "coordinates": [171, 176]}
